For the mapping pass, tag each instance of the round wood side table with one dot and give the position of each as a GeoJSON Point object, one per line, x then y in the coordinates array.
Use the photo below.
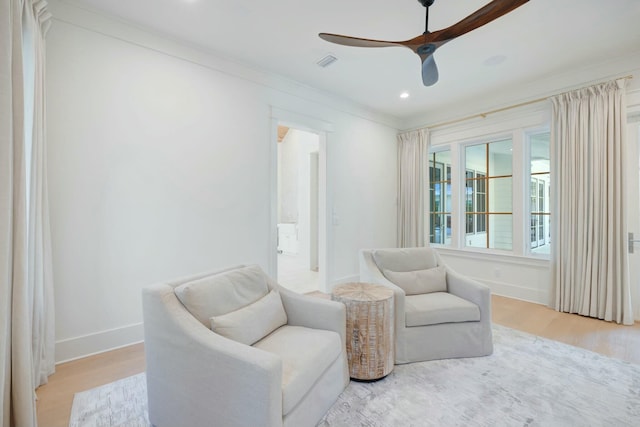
{"type": "Point", "coordinates": [370, 329]}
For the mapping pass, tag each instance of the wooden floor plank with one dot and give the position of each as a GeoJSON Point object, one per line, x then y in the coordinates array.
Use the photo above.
{"type": "Point", "coordinates": [55, 397]}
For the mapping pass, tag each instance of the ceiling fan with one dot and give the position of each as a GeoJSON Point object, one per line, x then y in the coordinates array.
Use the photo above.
{"type": "Point", "coordinates": [427, 43]}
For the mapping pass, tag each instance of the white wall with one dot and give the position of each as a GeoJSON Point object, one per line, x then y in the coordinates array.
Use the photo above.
{"type": "Point", "coordinates": [160, 166]}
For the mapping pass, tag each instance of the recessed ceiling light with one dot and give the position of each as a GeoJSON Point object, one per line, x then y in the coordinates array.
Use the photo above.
{"type": "Point", "coordinates": [404, 95]}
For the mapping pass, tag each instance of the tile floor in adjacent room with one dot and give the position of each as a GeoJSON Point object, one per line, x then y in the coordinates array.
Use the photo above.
{"type": "Point", "coordinates": [295, 275]}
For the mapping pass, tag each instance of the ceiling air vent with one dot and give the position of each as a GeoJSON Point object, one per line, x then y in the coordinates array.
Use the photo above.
{"type": "Point", "coordinates": [326, 61]}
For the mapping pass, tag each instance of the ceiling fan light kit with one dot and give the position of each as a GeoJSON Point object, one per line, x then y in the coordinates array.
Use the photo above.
{"type": "Point", "coordinates": [428, 42]}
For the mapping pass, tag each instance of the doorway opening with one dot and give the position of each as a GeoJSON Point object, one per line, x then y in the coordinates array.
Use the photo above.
{"type": "Point", "coordinates": [298, 209]}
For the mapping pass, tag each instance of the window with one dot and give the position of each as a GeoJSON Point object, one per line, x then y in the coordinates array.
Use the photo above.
{"type": "Point", "coordinates": [539, 190]}
{"type": "Point", "coordinates": [491, 193]}
{"type": "Point", "coordinates": [440, 197]}
{"type": "Point", "coordinates": [488, 195]}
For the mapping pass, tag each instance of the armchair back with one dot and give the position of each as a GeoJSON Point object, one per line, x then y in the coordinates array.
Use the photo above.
{"type": "Point", "coordinates": [405, 259]}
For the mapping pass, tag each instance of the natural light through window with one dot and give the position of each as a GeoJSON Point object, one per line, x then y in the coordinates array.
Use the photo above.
{"type": "Point", "coordinates": [488, 195]}
{"type": "Point", "coordinates": [492, 193]}
{"type": "Point", "coordinates": [440, 197]}
{"type": "Point", "coordinates": [539, 190]}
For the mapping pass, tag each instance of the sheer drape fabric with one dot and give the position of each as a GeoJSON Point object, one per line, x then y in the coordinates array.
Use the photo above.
{"type": "Point", "coordinates": [590, 260]}
{"type": "Point", "coordinates": [26, 317]}
{"type": "Point", "coordinates": [412, 151]}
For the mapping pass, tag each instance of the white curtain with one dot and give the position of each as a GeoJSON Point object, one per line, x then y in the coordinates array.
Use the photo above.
{"type": "Point", "coordinates": [26, 309]}
{"type": "Point", "coordinates": [412, 152]}
{"type": "Point", "coordinates": [589, 231]}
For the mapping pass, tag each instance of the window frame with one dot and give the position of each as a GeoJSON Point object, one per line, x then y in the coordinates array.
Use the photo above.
{"type": "Point", "coordinates": [516, 125]}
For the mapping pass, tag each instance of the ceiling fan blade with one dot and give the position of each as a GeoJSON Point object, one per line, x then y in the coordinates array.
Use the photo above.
{"type": "Point", "coordinates": [355, 41]}
{"type": "Point", "coordinates": [477, 19]}
{"type": "Point", "coordinates": [429, 71]}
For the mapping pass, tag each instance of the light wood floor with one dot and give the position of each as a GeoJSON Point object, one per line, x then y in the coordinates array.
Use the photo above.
{"type": "Point", "coordinates": [622, 342]}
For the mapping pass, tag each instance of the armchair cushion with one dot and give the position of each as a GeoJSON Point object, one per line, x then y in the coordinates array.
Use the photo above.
{"type": "Point", "coordinates": [252, 322]}
{"type": "Point", "coordinates": [419, 281]}
{"type": "Point", "coordinates": [439, 307]}
{"type": "Point", "coordinates": [222, 293]}
{"type": "Point", "coordinates": [306, 354]}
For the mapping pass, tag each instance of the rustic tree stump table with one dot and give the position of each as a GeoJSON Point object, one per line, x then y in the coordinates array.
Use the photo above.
{"type": "Point", "coordinates": [370, 329]}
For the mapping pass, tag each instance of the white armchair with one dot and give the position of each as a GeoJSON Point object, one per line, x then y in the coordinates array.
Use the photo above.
{"type": "Point", "coordinates": [439, 314]}
{"type": "Point", "coordinates": [290, 376]}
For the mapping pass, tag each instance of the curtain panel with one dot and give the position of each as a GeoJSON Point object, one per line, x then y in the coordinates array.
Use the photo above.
{"type": "Point", "coordinates": [589, 233]}
{"type": "Point", "coordinates": [40, 271]}
{"type": "Point", "coordinates": [412, 156]}
{"type": "Point", "coordinates": [26, 319]}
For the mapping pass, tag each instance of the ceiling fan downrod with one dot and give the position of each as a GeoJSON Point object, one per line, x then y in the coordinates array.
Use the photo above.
{"type": "Point", "coordinates": [426, 4]}
{"type": "Point", "coordinates": [427, 48]}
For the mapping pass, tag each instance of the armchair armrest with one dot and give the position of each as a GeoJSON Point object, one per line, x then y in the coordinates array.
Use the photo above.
{"type": "Point", "coordinates": [312, 312]}
{"type": "Point", "coordinates": [471, 290]}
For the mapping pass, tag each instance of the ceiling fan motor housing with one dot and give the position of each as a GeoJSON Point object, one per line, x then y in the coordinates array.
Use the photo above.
{"type": "Point", "coordinates": [426, 49]}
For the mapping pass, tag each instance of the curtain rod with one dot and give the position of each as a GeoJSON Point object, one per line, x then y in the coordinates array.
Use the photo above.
{"type": "Point", "coordinates": [499, 110]}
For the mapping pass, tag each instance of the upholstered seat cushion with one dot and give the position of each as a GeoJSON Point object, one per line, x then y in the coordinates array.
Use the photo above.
{"type": "Point", "coordinates": [439, 307]}
{"type": "Point", "coordinates": [306, 354]}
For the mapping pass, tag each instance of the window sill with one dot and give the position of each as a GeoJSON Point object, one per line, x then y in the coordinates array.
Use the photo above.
{"type": "Point", "coordinates": [494, 255]}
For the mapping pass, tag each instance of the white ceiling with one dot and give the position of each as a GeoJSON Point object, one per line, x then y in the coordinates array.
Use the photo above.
{"type": "Point", "coordinates": [534, 42]}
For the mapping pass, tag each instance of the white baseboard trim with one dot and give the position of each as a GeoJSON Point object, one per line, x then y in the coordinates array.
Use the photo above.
{"type": "Point", "coordinates": [518, 292]}
{"type": "Point", "coordinates": [99, 342]}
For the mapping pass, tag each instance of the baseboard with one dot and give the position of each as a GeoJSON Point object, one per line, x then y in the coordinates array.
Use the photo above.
{"type": "Point", "coordinates": [87, 345]}
{"type": "Point", "coordinates": [518, 292]}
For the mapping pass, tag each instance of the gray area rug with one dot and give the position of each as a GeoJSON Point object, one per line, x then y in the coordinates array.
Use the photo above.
{"type": "Point", "coordinates": [528, 381]}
